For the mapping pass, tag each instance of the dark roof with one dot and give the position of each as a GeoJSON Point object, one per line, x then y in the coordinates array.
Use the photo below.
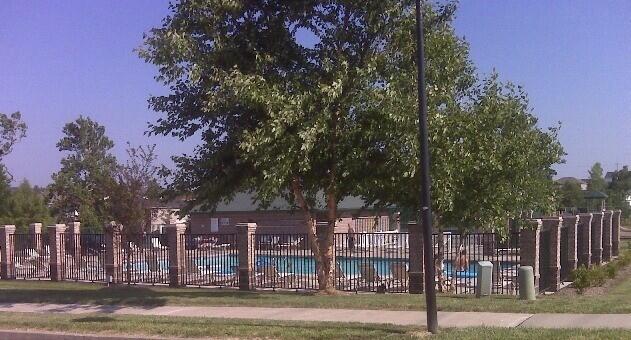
{"type": "Point", "coordinates": [594, 195]}
{"type": "Point", "coordinates": [246, 202]}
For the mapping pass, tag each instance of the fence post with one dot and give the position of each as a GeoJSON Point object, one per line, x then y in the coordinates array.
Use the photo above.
{"type": "Point", "coordinates": [57, 251]}
{"type": "Point", "coordinates": [113, 253]}
{"type": "Point", "coordinates": [615, 233]}
{"type": "Point", "coordinates": [607, 241]}
{"type": "Point", "coordinates": [584, 232]}
{"type": "Point", "coordinates": [7, 270]}
{"type": "Point", "coordinates": [553, 271]}
{"type": "Point", "coordinates": [529, 248]}
{"type": "Point", "coordinates": [35, 232]}
{"type": "Point", "coordinates": [571, 223]}
{"type": "Point", "coordinates": [245, 248]}
{"type": "Point", "coordinates": [176, 254]}
{"type": "Point", "coordinates": [597, 238]}
{"type": "Point", "coordinates": [415, 255]}
{"type": "Point", "coordinates": [74, 228]}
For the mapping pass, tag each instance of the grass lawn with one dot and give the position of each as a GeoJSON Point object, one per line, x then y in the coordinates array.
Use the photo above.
{"type": "Point", "coordinates": [226, 328]}
{"type": "Point", "coordinates": [617, 300]}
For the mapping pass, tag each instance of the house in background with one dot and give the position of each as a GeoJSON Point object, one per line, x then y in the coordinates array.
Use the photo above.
{"type": "Point", "coordinates": [282, 218]}
{"type": "Point", "coordinates": [162, 214]}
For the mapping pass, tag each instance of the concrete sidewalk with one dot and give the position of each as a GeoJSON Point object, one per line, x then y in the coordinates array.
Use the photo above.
{"type": "Point", "coordinates": [404, 318]}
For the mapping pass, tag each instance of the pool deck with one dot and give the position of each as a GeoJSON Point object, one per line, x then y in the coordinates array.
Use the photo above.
{"type": "Point", "coordinates": [402, 318]}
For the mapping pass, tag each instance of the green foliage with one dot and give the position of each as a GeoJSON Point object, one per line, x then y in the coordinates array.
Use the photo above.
{"type": "Point", "coordinates": [580, 278]}
{"type": "Point", "coordinates": [134, 188]}
{"type": "Point", "coordinates": [83, 184]}
{"type": "Point", "coordinates": [596, 178]}
{"type": "Point", "coordinates": [12, 130]}
{"type": "Point", "coordinates": [570, 195]}
{"type": "Point", "coordinates": [596, 276]}
{"type": "Point", "coordinates": [619, 189]}
{"type": "Point", "coordinates": [27, 205]}
{"type": "Point", "coordinates": [340, 117]}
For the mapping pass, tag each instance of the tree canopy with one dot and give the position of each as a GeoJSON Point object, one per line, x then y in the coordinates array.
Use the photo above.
{"type": "Point", "coordinates": [305, 99]}
{"type": "Point", "coordinates": [596, 179]}
{"type": "Point", "coordinates": [83, 183]}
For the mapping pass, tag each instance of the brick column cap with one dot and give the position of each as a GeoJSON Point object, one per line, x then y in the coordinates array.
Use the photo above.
{"type": "Point", "coordinates": [57, 228]}
{"type": "Point", "coordinates": [8, 228]}
{"type": "Point", "coordinates": [74, 227]}
{"type": "Point", "coordinates": [248, 227]}
{"type": "Point", "coordinates": [608, 212]}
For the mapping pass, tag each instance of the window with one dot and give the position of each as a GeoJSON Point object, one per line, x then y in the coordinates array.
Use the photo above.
{"type": "Point", "coordinates": [214, 225]}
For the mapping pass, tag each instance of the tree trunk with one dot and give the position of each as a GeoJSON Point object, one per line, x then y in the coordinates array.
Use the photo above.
{"type": "Point", "coordinates": [312, 237]}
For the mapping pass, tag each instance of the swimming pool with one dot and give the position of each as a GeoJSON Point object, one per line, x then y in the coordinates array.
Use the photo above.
{"type": "Point", "coordinates": [305, 265]}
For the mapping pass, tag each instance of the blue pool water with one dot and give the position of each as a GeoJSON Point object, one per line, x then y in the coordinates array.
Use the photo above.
{"type": "Point", "coordinates": [303, 265]}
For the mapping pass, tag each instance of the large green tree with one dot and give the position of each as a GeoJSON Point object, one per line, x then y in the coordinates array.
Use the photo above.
{"type": "Point", "coordinates": [12, 130]}
{"type": "Point", "coordinates": [316, 119]}
{"type": "Point", "coordinates": [82, 186]}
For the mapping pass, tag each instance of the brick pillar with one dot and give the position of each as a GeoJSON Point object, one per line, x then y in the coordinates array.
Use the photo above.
{"type": "Point", "coordinates": [553, 224]}
{"type": "Point", "coordinates": [56, 240]}
{"type": "Point", "coordinates": [584, 232]}
{"type": "Point", "coordinates": [176, 254]}
{"type": "Point", "coordinates": [245, 247]}
{"type": "Point", "coordinates": [7, 270]}
{"type": "Point", "coordinates": [113, 253]}
{"type": "Point", "coordinates": [607, 219]}
{"type": "Point", "coordinates": [529, 248]}
{"type": "Point", "coordinates": [74, 242]}
{"type": "Point", "coordinates": [415, 255]}
{"type": "Point", "coordinates": [615, 233]}
{"type": "Point", "coordinates": [35, 232]}
{"type": "Point", "coordinates": [597, 238]}
{"type": "Point", "coordinates": [571, 223]}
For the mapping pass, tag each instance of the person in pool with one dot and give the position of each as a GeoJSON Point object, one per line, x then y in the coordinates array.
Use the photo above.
{"type": "Point", "coordinates": [462, 262]}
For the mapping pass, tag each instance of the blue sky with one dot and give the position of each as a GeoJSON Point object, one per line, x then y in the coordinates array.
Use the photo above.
{"type": "Point", "coordinates": [59, 59]}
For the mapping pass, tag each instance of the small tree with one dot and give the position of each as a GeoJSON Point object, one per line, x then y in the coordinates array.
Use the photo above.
{"type": "Point", "coordinates": [570, 194]}
{"type": "Point", "coordinates": [83, 184]}
{"type": "Point", "coordinates": [135, 186]}
{"type": "Point", "coordinates": [596, 179]}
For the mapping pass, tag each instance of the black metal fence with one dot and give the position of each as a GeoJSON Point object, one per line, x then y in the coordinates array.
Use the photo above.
{"type": "Point", "coordinates": [283, 261]}
{"type": "Point", "coordinates": [85, 257]}
{"type": "Point", "coordinates": [210, 260]}
{"type": "Point", "coordinates": [371, 262]}
{"type": "Point", "coordinates": [461, 254]}
{"type": "Point", "coordinates": [31, 256]}
{"type": "Point", "coordinates": [144, 259]}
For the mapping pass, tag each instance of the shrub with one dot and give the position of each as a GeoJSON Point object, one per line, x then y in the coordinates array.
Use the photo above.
{"type": "Point", "coordinates": [581, 279]}
{"type": "Point", "coordinates": [597, 276]}
{"type": "Point", "coordinates": [611, 269]}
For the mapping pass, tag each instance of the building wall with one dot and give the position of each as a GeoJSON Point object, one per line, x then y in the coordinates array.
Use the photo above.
{"type": "Point", "coordinates": [278, 222]}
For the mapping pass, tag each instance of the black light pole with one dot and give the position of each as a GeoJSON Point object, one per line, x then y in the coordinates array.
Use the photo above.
{"type": "Point", "coordinates": [426, 207]}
